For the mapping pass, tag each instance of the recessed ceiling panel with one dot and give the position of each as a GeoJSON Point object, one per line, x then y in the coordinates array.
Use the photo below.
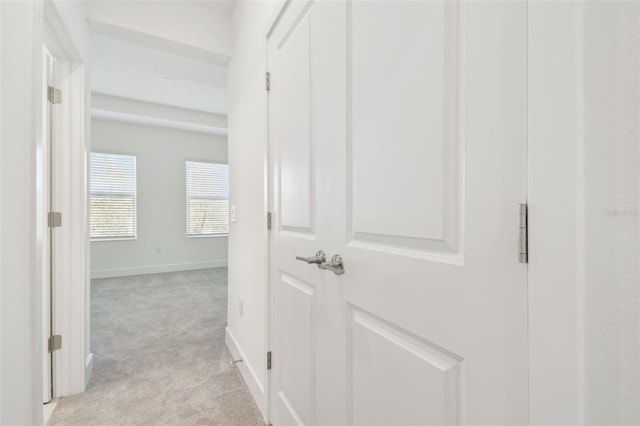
{"type": "Point", "coordinates": [124, 69]}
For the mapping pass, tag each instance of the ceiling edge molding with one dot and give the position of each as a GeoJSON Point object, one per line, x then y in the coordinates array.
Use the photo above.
{"type": "Point", "coordinates": [215, 111]}
{"type": "Point", "coordinates": [157, 122]}
{"type": "Point", "coordinates": [131, 106]}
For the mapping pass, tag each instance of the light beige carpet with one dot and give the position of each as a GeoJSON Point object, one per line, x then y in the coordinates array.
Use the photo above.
{"type": "Point", "coordinates": [160, 357]}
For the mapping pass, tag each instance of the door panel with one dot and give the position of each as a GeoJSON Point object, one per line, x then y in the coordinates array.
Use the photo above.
{"type": "Point", "coordinates": [290, 55]}
{"type": "Point", "coordinates": [403, 79]}
{"type": "Point", "coordinates": [298, 348]}
{"type": "Point", "coordinates": [424, 382]}
{"type": "Point", "coordinates": [417, 115]}
{"type": "Point", "coordinates": [296, 202]}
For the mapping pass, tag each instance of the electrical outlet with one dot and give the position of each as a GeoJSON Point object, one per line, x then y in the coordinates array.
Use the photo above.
{"type": "Point", "coordinates": [158, 250]}
{"type": "Point", "coordinates": [240, 308]}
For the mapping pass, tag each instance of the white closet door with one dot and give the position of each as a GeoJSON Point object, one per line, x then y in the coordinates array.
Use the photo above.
{"type": "Point", "coordinates": [398, 141]}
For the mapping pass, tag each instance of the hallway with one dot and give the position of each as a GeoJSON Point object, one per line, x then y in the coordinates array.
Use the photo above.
{"type": "Point", "coordinates": [160, 356]}
{"type": "Point", "coordinates": [394, 212]}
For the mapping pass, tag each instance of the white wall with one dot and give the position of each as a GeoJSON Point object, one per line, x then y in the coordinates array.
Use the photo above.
{"type": "Point", "coordinates": [584, 196]}
{"type": "Point", "coordinates": [161, 201]}
{"type": "Point", "coordinates": [20, 292]}
{"type": "Point", "coordinates": [21, 349]}
{"type": "Point", "coordinates": [246, 336]}
{"type": "Point", "coordinates": [611, 188]}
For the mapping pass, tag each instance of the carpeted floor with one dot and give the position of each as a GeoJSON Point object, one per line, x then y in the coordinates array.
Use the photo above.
{"type": "Point", "coordinates": [160, 357]}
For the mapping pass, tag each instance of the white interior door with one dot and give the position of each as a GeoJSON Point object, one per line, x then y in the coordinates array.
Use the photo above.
{"type": "Point", "coordinates": [398, 137]}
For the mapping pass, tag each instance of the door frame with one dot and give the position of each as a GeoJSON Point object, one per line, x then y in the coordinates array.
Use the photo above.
{"type": "Point", "coordinates": [556, 189]}
{"type": "Point", "coordinates": [71, 367]}
{"type": "Point", "coordinates": [43, 232]}
{"type": "Point", "coordinates": [277, 13]}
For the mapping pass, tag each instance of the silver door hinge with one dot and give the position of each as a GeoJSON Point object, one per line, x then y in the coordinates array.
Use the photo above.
{"type": "Point", "coordinates": [269, 220]}
{"type": "Point", "coordinates": [55, 343]}
{"type": "Point", "coordinates": [523, 233]}
{"type": "Point", "coordinates": [54, 95]}
{"type": "Point", "coordinates": [54, 219]}
{"type": "Point", "coordinates": [269, 360]}
{"type": "Point", "coordinates": [267, 80]}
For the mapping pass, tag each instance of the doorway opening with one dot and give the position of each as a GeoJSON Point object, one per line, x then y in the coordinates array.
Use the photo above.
{"type": "Point", "coordinates": [158, 196]}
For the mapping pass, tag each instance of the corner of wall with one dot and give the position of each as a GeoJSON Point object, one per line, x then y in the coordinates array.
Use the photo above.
{"type": "Point", "coordinates": [247, 334]}
{"type": "Point", "coordinates": [248, 372]}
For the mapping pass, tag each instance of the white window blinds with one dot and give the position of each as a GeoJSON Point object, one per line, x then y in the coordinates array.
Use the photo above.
{"type": "Point", "coordinates": [113, 196]}
{"type": "Point", "coordinates": [207, 199]}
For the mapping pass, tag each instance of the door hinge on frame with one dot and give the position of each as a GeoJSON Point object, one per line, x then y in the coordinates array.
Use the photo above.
{"type": "Point", "coordinates": [267, 80]}
{"type": "Point", "coordinates": [54, 219]}
{"type": "Point", "coordinates": [55, 343]}
{"type": "Point", "coordinates": [269, 222]}
{"type": "Point", "coordinates": [269, 360]}
{"type": "Point", "coordinates": [54, 95]}
{"type": "Point", "coordinates": [523, 233]}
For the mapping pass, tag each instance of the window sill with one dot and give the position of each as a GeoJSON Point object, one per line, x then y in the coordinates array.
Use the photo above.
{"type": "Point", "coordinates": [113, 239]}
{"type": "Point", "coordinates": [208, 236]}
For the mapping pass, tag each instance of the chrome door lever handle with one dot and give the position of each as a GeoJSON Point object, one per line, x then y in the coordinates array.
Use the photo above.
{"type": "Point", "coordinates": [318, 259]}
{"type": "Point", "coordinates": [336, 265]}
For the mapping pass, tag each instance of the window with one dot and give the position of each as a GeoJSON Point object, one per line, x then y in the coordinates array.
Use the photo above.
{"type": "Point", "coordinates": [207, 199]}
{"type": "Point", "coordinates": [112, 209]}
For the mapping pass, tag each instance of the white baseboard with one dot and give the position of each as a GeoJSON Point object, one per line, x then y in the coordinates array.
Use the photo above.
{"type": "Point", "coordinates": [255, 385]}
{"type": "Point", "coordinates": [156, 269]}
{"type": "Point", "coordinates": [88, 369]}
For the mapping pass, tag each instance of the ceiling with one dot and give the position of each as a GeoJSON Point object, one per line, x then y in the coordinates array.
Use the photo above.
{"type": "Point", "coordinates": [223, 7]}
{"type": "Point", "coordinates": [124, 69]}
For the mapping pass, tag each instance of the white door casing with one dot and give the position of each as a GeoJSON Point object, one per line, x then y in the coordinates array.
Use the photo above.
{"type": "Point", "coordinates": [43, 207]}
{"type": "Point", "coordinates": [69, 197]}
{"type": "Point", "coordinates": [398, 140]}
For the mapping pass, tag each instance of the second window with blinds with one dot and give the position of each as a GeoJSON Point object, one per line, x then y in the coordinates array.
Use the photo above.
{"type": "Point", "coordinates": [207, 199]}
